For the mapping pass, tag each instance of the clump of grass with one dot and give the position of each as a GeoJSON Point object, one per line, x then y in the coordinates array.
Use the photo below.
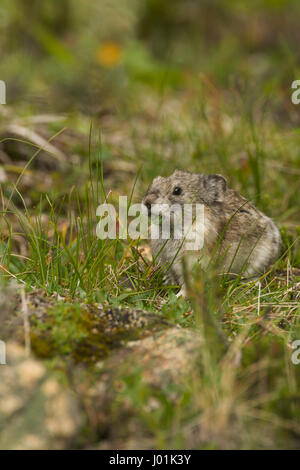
{"type": "Point", "coordinates": [65, 256]}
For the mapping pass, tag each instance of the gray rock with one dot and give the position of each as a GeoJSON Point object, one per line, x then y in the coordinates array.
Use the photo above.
{"type": "Point", "coordinates": [36, 411]}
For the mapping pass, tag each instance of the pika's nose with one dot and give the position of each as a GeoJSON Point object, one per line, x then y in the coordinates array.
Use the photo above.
{"type": "Point", "coordinates": [147, 203]}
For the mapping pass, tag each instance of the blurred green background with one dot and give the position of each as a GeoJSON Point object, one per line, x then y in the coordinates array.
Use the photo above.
{"type": "Point", "coordinates": [96, 55]}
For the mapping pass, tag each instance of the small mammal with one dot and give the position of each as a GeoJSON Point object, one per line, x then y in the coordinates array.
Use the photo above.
{"type": "Point", "coordinates": [246, 240]}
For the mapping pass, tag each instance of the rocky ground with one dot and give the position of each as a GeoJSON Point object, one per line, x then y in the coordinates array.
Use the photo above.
{"type": "Point", "coordinates": [41, 409]}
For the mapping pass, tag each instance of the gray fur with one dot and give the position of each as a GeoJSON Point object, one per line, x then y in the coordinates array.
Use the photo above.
{"type": "Point", "coordinates": [250, 241]}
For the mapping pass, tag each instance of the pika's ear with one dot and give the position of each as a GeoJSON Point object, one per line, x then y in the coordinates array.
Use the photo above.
{"type": "Point", "coordinates": [214, 188]}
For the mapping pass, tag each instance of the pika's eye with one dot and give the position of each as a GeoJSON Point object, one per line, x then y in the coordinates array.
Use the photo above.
{"type": "Point", "coordinates": [177, 191]}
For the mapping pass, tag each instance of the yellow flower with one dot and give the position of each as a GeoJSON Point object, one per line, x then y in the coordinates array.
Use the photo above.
{"type": "Point", "coordinates": [109, 54]}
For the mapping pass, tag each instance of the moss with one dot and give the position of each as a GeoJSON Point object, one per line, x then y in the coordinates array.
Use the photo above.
{"type": "Point", "coordinates": [87, 334]}
{"type": "Point", "coordinates": [41, 346]}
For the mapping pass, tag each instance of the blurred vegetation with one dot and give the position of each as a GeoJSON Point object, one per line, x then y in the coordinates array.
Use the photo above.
{"type": "Point", "coordinates": [87, 55]}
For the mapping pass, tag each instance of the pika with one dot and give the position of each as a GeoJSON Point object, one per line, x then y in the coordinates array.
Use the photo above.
{"type": "Point", "coordinates": [240, 237]}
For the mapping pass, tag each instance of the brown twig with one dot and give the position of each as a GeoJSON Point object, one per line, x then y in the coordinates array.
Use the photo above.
{"type": "Point", "coordinates": [26, 323]}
